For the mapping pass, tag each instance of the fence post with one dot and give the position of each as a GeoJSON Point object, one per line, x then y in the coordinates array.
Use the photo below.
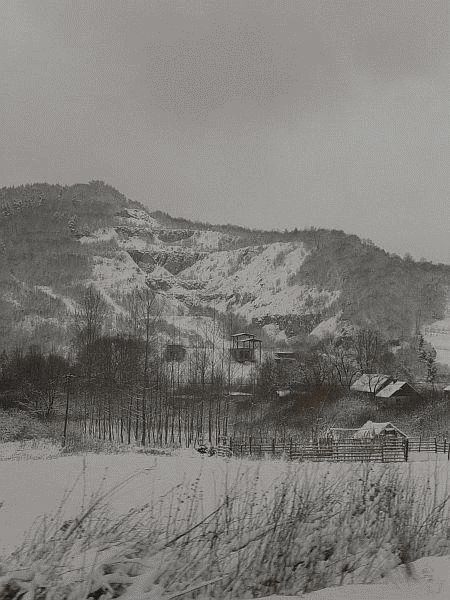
{"type": "Point", "coordinates": [420, 442]}
{"type": "Point", "coordinates": [445, 445]}
{"type": "Point", "coordinates": [406, 449]}
{"type": "Point", "coordinates": [290, 448]}
{"type": "Point", "coordinates": [250, 445]}
{"type": "Point", "coordinates": [273, 447]}
{"type": "Point", "coordinates": [448, 452]}
{"type": "Point", "coordinates": [435, 445]}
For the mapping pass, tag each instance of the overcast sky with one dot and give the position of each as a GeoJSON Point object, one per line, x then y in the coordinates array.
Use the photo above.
{"type": "Point", "coordinates": [276, 114]}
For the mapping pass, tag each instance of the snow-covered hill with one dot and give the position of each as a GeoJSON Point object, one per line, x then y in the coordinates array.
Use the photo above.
{"type": "Point", "coordinates": [57, 240]}
{"type": "Point", "coordinates": [204, 269]}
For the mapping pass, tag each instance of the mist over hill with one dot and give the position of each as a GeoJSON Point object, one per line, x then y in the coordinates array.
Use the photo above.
{"type": "Point", "coordinates": [56, 240]}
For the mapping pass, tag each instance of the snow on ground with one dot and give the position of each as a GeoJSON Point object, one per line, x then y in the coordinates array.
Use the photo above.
{"type": "Point", "coordinates": [327, 327]}
{"type": "Point", "coordinates": [438, 335]}
{"type": "Point", "coordinates": [134, 242]}
{"type": "Point", "coordinates": [426, 579]}
{"type": "Point", "coordinates": [120, 274]}
{"type": "Point", "coordinates": [275, 333]}
{"type": "Point", "coordinates": [257, 281]}
{"type": "Point", "coordinates": [208, 240]}
{"type": "Point", "coordinates": [37, 449]}
{"type": "Point", "coordinates": [116, 275]}
{"type": "Point", "coordinates": [33, 487]}
{"type": "Point", "coordinates": [70, 305]}
{"type": "Point", "coordinates": [101, 235]}
{"type": "Point", "coordinates": [139, 218]}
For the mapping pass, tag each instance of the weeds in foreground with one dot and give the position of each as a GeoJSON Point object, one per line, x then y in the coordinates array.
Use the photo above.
{"type": "Point", "coordinates": [309, 530]}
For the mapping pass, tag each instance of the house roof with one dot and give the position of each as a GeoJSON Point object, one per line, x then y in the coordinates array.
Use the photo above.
{"type": "Point", "coordinates": [371, 428]}
{"type": "Point", "coordinates": [392, 388]}
{"type": "Point", "coordinates": [241, 334]}
{"type": "Point", "coordinates": [370, 382]}
{"type": "Point", "coordinates": [447, 389]}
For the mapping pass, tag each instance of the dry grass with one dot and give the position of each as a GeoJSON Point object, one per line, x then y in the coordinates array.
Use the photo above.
{"type": "Point", "coordinates": [302, 534]}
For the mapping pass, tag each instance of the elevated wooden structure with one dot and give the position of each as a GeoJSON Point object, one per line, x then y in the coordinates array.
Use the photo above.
{"type": "Point", "coordinates": [245, 347]}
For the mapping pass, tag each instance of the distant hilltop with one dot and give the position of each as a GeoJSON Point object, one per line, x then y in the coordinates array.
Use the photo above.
{"type": "Point", "coordinates": [56, 240]}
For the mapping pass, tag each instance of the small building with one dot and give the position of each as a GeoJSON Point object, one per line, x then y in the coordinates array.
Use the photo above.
{"type": "Point", "coordinates": [398, 390]}
{"type": "Point", "coordinates": [371, 383]}
{"type": "Point", "coordinates": [447, 392]}
{"type": "Point", "coordinates": [245, 347]}
{"type": "Point", "coordinates": [375, 430]}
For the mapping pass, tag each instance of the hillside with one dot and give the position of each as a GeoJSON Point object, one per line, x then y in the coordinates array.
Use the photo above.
{"type": "Point", "coordinates": [56, 240]}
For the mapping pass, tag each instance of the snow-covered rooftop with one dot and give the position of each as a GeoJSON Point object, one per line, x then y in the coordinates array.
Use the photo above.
{"type": "Point", "coordinates": [370, 429]}
{"type": "Point", "coordinates": [370, 382]}
{"type": "Point", "coordinates": [392, 388]}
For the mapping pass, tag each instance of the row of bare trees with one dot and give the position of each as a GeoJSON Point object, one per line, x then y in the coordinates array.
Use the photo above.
{"type": "Point", "coordinates": [124, 387]}
{"type": "Point", "coordinates": [120, 384]}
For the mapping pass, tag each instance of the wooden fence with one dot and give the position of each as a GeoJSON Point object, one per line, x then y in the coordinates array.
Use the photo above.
{"type": "Point", "coordinates": [353, 450]}
{"type": "Point", "coordinates": [430, 444]}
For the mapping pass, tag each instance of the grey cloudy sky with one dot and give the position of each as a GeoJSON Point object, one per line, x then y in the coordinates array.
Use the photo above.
{"type": "Point", "coordinates": [268, 114]}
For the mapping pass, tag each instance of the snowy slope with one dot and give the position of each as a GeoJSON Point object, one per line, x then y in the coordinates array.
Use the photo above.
{"type": "Point", "coordinates": [258, 281]}
{"type": "Point", "coordinates": [205, 268]}
{"type": "Point", "coordinates": [438, 335]}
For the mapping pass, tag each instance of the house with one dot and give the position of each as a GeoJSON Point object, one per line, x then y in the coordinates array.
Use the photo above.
{"type": "Point", "coordinates": [245, 347]}
{"type": "Point", "coordinates": [373, 430]}
{"type": "Point", "coordinates": [398, 389]}
{"type": "Point", "coordinates": [371, 383]}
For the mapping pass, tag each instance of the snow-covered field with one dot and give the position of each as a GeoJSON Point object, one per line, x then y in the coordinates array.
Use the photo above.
{"type": "Point", "coordinates": [272, 523]}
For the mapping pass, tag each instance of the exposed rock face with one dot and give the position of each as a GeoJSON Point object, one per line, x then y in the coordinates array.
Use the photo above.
{"type": "Point", "coordinates": [56, 240]}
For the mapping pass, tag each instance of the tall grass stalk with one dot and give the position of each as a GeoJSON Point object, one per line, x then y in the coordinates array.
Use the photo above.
{"type": "Point", "coordinates": [307, 531]}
